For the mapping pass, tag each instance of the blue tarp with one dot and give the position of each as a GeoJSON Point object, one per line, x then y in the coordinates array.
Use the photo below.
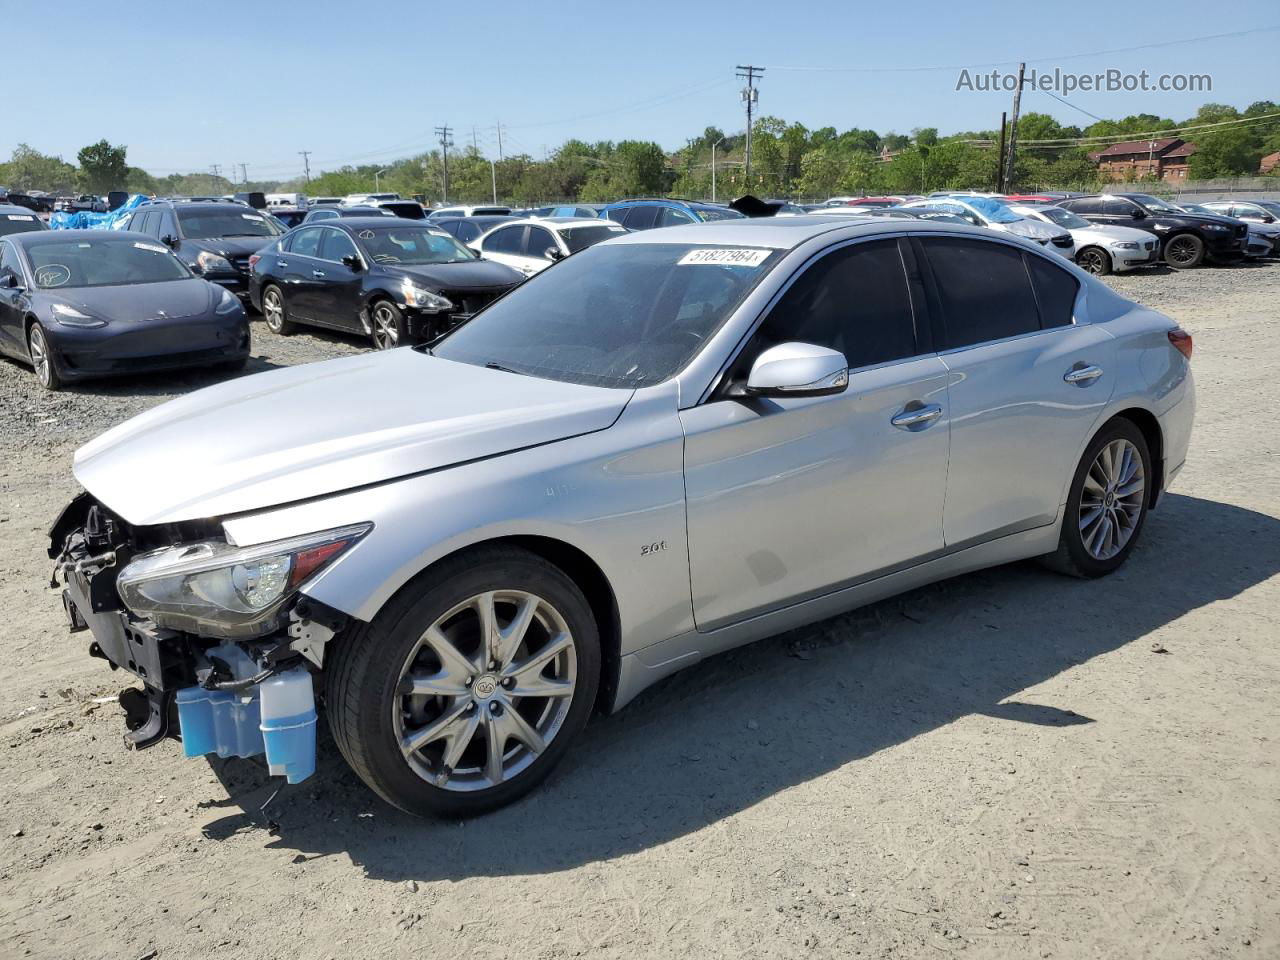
{"type": "Point", "coordinates": [95, 221]}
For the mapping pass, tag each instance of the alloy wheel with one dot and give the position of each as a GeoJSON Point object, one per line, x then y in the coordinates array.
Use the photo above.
{"type": "Point", "coordinates": [273, 310]}
{"type": "Point", "coordinates": [1181, 251]}
{"type": "Point", "coordinates": [485, 690]}
{"type": "Point", "coordinates": [1112, 500]}
{"type": "Point", "coordinates": [386, 332]}
{"type": "Point", "coordinates": [1093, 261]}
{"type": "Point", "coordinates": [40, 355]}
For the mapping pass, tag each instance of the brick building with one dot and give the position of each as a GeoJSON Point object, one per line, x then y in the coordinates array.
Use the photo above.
{"type": "Point", "coordinates": [1167, 158]}
{"type": "Point", "coordinates": [1270, 162]}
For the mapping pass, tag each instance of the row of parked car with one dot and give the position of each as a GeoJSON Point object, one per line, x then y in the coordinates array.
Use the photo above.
{"type": "Point", "coordinates": [387, 269]}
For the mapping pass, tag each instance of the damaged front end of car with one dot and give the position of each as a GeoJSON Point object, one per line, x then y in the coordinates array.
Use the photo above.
{"type": "Point", "coordinates": [221, 636]}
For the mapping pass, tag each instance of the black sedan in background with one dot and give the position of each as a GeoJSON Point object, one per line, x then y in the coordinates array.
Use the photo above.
{"type": "Point", "coordinates": [92, 303]}
{"type": "Point", "coordinates": [395, 281]}
{"type": "Point", "coordinates": [15, 219]}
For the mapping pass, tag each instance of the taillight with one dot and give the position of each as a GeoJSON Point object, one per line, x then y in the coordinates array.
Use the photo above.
{"type": "Point", "coordinates": [1181, 341]}
{"type": "Point", "coordinates": [253, 260]}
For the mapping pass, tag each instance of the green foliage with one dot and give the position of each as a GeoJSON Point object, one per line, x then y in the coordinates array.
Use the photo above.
{"type": "Point", "coordinates": [30, 169]}
{"type": "Point", "coordinates": [102, 167]}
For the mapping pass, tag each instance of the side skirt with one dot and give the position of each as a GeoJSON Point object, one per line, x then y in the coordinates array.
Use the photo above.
{"type": "Point", "coordinates": [646, 667]}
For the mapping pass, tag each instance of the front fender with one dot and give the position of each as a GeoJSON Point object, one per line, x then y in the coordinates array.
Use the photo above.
{"type": "Point", "coordinates": [609, 494]}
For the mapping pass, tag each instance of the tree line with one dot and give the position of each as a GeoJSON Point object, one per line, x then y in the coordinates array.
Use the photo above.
{"type": "Point", "coordinates": [787, 160]}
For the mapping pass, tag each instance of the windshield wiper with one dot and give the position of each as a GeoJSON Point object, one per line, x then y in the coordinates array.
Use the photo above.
{"type": "Point", "coordinates": [492, 365]}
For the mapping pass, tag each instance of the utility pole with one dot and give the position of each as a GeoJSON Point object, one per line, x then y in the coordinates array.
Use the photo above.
{"type": "Point", "coordinates": [306, 164]}
{"type": "Point", "coordinates": [244, 173]}
{"type": "Point", "coordinates": [1013, 129]}
{"type": "Point", "coordinates": [750, 95]}
{"type": "Point", "coordinates": [499, 140]}
{"type": "Point", "coordinates": [713, 168]}
{"type": "Point", "coordinates": [1004, 122]}
{"type": "Point", "coordinates": [493, 176]}
{"type": "Point", "coordinates": [445, 144]}
{"type": "Point", "coordinates": [474, 145]}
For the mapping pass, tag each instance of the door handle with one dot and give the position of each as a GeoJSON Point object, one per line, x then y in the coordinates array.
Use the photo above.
{"type": "Point", "coordinates": [319, 274]}
{"type": "Point", "coordinates": [1082, 375]}
{"type": "Point", "coordinates": [917, 417]}
{"type": "Point", "coordinates": [282, 263]}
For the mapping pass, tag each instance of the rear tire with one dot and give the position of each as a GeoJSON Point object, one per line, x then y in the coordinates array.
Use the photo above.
{"type": "Point", "coordinates": [1185, 251]}
{"type": "Point", "coordinates": [275, 312]}
{"type": "Point", "coordinates": [1107, 503]}
{"type": "Point", "coordinates": [1094, 260]}
{"type": "Point", "coordinates": [415, 700]}
{"type": "Point", "coordinates": [43, 359]}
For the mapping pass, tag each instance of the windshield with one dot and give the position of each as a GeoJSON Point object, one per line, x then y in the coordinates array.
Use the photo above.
{"type": "Point", "coordinates": [103, 263]}
{"type": "Point", "coordinates": [19, 223]}
{"type": "Point", "coordinates": [718, 213]}
{"type": "Point", "coordinates": [412, 246]}
{"type": "Point", "coordinates": [209, 223]}
{"type": "Point", "coordinates": [1270, 206]}
{"type": "Point", "coordinates": [993, 210]}
{"type": "Point", "coordinates": [616, 315]}
{"type": "Point", "coordinates": [1155, 205]}
{"type": "Point", "coordinates": [579, 238]}
{"type": "Point", "coordinates": [1065, 218]}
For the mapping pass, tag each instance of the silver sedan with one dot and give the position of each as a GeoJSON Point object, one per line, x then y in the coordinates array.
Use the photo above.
{"type": "Point", "coordinates": [659, 448]}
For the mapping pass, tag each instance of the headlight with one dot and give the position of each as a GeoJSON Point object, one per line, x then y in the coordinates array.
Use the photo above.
{"type": "Point", "coordinates": [212, 263]}
{"type": "Point", "coordinates": [71, 317]}
{"type": "Point", "coordinates": [227, 303]}
{"type": "Point", "coordinates": [415, 296]}
{"type": "Point", "coordinates": [216, 589]}
{"type": "Point", "coordinates": [1126, 245]}
{"type": "Point", "coordinates": [1215, 226]}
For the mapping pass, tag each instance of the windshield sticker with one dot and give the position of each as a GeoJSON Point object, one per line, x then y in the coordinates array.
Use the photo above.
{"type": "Point", "coordinates": [735, 257]}
{"type": "Point", "coordinates": [19, 216]}
{"type": "Point", "coordinates": [53, 275]}
{"type": "Point", "coordinates": [365, 234]}
{"type": "Point", "coordinates": [154, 248]}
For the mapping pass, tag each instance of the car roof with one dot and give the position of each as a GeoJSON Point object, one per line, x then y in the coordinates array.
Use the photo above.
{"type": "Point", "coordinates": [53, 236]}
{"type": "Point", "coordinates": [364, 223]}
{"type": "Point", "coordinates": [784, 233]}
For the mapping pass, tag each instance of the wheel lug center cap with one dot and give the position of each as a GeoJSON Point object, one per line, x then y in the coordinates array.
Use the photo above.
{"type": "Point", "coordinates": [1111, 499]}
{"type": "Point", "coordinates": [484, 687]}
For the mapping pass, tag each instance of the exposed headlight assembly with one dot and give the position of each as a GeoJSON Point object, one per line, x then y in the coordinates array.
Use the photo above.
{"type": "Point", "coordinates": [71, 317]}
{"type": "Point", "coordinates": [215, 589]}
{"type": "Point", "coordinates": [415, 296]}
{"type": "Point", "coordinates": [212, 263]}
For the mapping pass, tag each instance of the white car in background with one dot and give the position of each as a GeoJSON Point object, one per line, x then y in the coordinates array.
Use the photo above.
{"type": "Point", "coordinates": [533, 245]}
{"type": "Point", "coordinates": [994, 215]}
{"type": "Point", "coordinates": [478, 210]}
{"type": "Point", "coordinates": [1099, 249]}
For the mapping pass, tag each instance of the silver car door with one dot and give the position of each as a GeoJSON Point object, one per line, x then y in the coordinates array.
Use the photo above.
{"type": "Point", "coordinates": [791, 498]}
{"type": "Point", "coordinates": [1027, 384]}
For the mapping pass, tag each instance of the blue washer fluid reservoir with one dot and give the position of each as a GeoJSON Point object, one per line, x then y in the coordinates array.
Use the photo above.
{"type": "Point", "coordinates": [219, 721]}
{"type": "Point", "coordinates": [289, 724]}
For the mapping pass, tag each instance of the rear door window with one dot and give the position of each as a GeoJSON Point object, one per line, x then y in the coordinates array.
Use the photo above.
{"type": "Point", "coordinates": [507, 240]}
{"type": "Point", "coordinates": [1089, 205]}
{"type": "Point", "coordinates": [982, 290]}
{"type": "Point", "coordinates": [641, 218]}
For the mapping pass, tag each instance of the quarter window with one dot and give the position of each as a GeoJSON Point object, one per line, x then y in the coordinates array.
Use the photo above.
{"type": "Point", "coordinates": [854, 300]}
{"type": "Point", "coordinates": [983, 289]}
{"type": "Point", "coordinates": [1055, 292]}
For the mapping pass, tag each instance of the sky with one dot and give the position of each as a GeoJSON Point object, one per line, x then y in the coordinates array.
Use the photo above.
{"type": "Point", "coordinates": [185, 86]}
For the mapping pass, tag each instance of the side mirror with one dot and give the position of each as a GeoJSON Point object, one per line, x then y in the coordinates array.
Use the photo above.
{"type": "Point", "coordinates": [1138, 215]}
{"type": "Point", "coordinates": [798, 370]}
{"type": "Point", "coordinates": [9, 282]}
{"type": "Point", "coordinates": [169, 240]}
{"type": "Point", "coordinates": [196, 269]}
{"type": "Point", "coordinates": [353, 261]}
{"type": "Point", "coordinates": [1267, 218]}
{"type": "Point", "coordinates": [552, 253]}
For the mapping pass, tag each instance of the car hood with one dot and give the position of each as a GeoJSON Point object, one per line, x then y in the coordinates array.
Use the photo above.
{"type": "Point", "coordinates": [1031, 229]}
{"type": "Point", "coordinates": [321, 428]}
{"type": "Point", "coordinates": [173, 299]}
{"type": "Point", "coordinates": [1114, 234]}
{"type": "Point", "coordinates": [228, 246]}
{"type": "Point", "coordinates": [1193, 219]}
{"type": "Point", "coordinates": [465, 275]}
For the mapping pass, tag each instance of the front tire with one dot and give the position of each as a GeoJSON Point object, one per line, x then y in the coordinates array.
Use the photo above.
{"type": "Point", "coordinates": [388, 326]}
{"type": "Point", "coordinates": [1094, 260]}
{"type": "Point", "coordinates": [275, 312]}
{"type": "Point", "coordinates": [468, 686]}
{"type": "Point", "coordinates": [1184, 251]}
{"type": "Point", "coordinates": [42, 358]}
{"type": "Point", "coordinates": [1107, 503]}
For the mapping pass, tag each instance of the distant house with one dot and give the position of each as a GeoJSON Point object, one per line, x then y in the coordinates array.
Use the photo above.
{"type": "Point", "coordinates": [1166, 158]}
{"type": "Point", "coordinates": [1270, 162]}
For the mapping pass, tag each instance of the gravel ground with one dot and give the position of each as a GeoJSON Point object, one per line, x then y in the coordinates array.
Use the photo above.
{"type": "Point", "coordinates": [1010, 764]}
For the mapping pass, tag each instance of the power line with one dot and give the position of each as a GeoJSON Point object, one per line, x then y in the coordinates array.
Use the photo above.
{"type": "Point", "coordinates": [1057, 59]}
{"type": "Point", "coordinates": [1108, 139]}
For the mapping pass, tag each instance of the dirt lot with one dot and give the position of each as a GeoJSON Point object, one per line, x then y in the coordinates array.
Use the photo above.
{"type": "Point", "coordinates": [1010, 765]}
